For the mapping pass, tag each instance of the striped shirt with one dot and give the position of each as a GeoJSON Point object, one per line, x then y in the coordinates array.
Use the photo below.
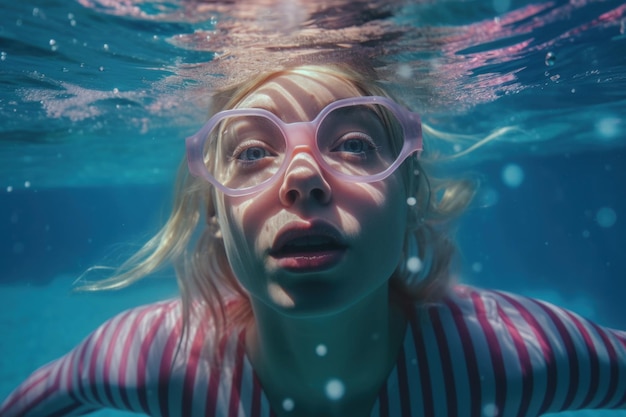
{"type": "Point", "coordinates": [475, 353]}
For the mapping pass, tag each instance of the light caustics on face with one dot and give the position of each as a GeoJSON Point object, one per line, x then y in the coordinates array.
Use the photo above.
{"type": "Point", "coordinates": [311, 253]}
{"type": "Point", "coordinates": [360, 139]}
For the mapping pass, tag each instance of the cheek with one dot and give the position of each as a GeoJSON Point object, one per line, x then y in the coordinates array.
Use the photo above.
{"type": "Point", "coordinates": [238, 246]}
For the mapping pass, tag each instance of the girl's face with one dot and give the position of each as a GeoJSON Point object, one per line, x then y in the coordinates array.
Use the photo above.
{"type": "Point", "coordinates": [311, 244]}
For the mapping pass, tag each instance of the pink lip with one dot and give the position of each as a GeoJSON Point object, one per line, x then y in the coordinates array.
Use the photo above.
{"type": "Point", "coordinates": [305, 257]}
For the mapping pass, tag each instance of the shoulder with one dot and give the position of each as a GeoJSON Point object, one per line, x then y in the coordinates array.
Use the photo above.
{"type": "Point", "coordinates": [165, 315]}
{"type": "Point", "coordinates": [513, 317]}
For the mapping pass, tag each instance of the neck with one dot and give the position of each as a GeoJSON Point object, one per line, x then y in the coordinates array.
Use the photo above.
{"type": "Point", "coordinates": [326, 365]}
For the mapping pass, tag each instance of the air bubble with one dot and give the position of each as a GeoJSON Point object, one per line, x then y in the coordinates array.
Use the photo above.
{"type": "Point", "coordinates": [3, 56]}
{"type": "Point", "coordinates": [335, 389]}
{"type": "Point", "coordinates": [608, 127]}
{"type": "Point", "coordinates": [404, 71]}
{"type": "Point", "coordinates": [490, 410]}
{"type": "Point", "coordinates": [606, 217]}
{"type": "Point", "coordinates": [26, 184]}
{"type": "Point", "coordinates": [513, 175]}
{"type": "Point", "coordinates": [550, 59]}
{"type": "Point", "coordinates": [321, 350]}
{"type": "Point", "coordinates": [477, 267]}
{"type": "Point", "coordinates": [414, 264]}
{"type": "Point", "coordinates": [288, 404]}
{"type": "Point", "coordinates": [411, 201]}
{"type": "Point", "coordinates": [105, 47]}
{"type": "Point", "coordinates": [116, 90]}
{"type": "Point", "coordinates": [9, 188]}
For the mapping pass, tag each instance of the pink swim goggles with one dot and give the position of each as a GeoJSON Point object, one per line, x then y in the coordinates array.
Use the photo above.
{"type": "Point", "coordinates": [360, 139]}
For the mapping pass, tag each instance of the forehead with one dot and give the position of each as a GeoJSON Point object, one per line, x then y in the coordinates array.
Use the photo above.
{"type": "Point", "coordinates": [296, 97]}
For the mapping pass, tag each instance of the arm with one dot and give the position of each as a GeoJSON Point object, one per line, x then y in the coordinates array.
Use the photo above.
{"type": "Point", "coordinates": [565, 362]}
{"type": "Point", "coordinates": [111, 368]}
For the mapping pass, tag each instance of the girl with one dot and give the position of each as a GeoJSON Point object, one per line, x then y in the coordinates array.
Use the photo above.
{"type": "Point", "coordinates": [320, 284]}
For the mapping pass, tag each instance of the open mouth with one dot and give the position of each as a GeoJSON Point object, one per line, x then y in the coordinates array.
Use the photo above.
{"type": "Point", "coordinates": [309, 245]}
{"type": "Point", "coordinates": [308, 248]}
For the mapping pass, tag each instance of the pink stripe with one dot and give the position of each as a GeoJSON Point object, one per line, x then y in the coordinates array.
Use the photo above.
{"type": "Point", "coordinates": [613, 365]}
{"type": "Point", "coordinates": [548, 354]}
{"type": "Point", "coordinates": [165, 369]}
{"type": "Point", "coordinates": [93, 362]}
{"type": "Point", "coordinates": [82, 354]}
{"type": "Point", "coordinates": [125, 354]}
{"type": "Point", "coordinates": [50, 390]}
{"type": "Point", "coordinates": [446, 363]}
{"type": "Point", "coordinates": [214, 381]}
{"type": "Point", "coordinates": [403, 383]}
{"type": "Point", "coordinates": [191, 371]}
{"type": "Point", "coordinates": [525, 363]}
{"type": "Point", "coordinates": [494, 352]}
{"type": "Point", "coordinates": [572, 361]}
{"type": "Point", "coordinates": [470, 359]}
{"type": "Point", "coordinates": [36, 400]}
{"type": "Point", "coordinates": [144, 351]}
{"type": "Point", "coordinates": [109, 357]}
{"type": "Point", "coordinates": [424, 371]}
{"type": "Point", "coordinates": [233, 407]}
{"type": "Point", "coordinates": [24, 391]}
{"type": "Point", "coordinates": [592, 354]}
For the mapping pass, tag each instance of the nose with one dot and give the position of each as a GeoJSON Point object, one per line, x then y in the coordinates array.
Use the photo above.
{"type": "Point", "coordinates": [303, 180]}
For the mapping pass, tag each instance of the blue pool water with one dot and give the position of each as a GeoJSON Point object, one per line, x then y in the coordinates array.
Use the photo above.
{"type": "Point", "coordinates": [98, 95]}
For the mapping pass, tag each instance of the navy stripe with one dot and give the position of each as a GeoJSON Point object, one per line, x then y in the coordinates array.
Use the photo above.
{"type": "Point", "coordinates": [446, 363]}
{"type": "Point", "coordinates": [470, 359]}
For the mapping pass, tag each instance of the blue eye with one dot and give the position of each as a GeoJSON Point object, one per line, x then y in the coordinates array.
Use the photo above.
{"type": "Point", "coordinates": [253, 153]}
{"type": "Point", "coordinates": [355, 143]}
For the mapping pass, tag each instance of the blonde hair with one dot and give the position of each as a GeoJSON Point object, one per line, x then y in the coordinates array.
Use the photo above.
{"type": "Point", "coordinates": [204, 275]}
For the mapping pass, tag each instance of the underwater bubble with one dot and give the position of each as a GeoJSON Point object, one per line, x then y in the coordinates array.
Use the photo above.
{"type": "Point", "coordinates": [288, 404]}
{"type": "Point", "coordinates": [105, 46]}
{"type": "Point", "coordinates": [404, 71]}
{"type": "Point", "coordinates": [411, 201]}
{"type": "Point", "coordinates": [513, 175]}
{"type": "Point", "coordinates": [9, 188]}
{"type": "Point", "coordinates": [321, 350]}
{"type": "Point", "coordinates": [550, 59]}
{"type": "Point", "coordinates": [608, 127]}
{"type": "Point", "coordinates": [26, 184]}
{"type": "Point", "coordinates": [101, 68]}
{"type": "Point", "coordinates": [490, 410]}
{"type": "Point", "coordinates": [477, 267]}
{"type": "Point", "coordinates": [3, 56]}
{"type": "Point", "coordinates": [414, 264]}
{"type": "Point", "coordinates": [606, 217]}
{"type": "Point", "coordinates": [335, 389]}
